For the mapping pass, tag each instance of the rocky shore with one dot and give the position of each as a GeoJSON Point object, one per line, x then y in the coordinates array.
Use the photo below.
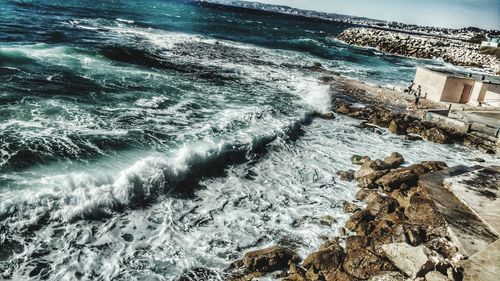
{"type": "Point", "coordinates": [453, 51]}
{"type": "Point", "coordinates": [398, 234]}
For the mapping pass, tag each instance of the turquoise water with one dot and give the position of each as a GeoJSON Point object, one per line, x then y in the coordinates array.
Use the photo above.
{"type": "Point", "coordinates": [141, 140]}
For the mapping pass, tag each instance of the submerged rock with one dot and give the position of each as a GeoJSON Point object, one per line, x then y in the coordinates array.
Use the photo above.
{"type": "Point", "coordinates": [346, 175]}
{"type": "Point", "coordinates": [359, 160]}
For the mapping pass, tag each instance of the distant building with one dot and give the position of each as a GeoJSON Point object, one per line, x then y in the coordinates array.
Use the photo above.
{"type": "Point", "coordinates": [492, 43]}
{"type": "Point", "coordinates": [456, 87]}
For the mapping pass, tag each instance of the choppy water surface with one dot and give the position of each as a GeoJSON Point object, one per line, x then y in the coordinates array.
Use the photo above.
{"type": "Point", "coordinates": [139, 141]}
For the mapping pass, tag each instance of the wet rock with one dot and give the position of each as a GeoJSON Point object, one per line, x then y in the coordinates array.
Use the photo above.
{"type": "Point", "coordinates": [359, 160]}
{"type": "Point", "coordinates": [365, 194]}
{"type": "Point", "coordinates": [370, 167]}
{"type": "Point", "coordinates": [413, 261]}
{"type": "Point", "coordinates": [398, 127]}
{"type": "Point", "coordinates": [369, 180]}
{"type": "Point", "coordinates": [394, 160]}
{"type": "Point", "coordinates": [327, 220]}
{"type": "Point", "coordinates": [413, 137]}
{"type": "Point", "coordinates": [325, 115]}
{"type": "Point", "coordinates": [343, 231]}
{"type": "Point", "coordinates": [349, 207]}
{"type": "Point", "coordinates": [346, 175]}
{"type": "Point", "coordinates": [324, 261]}
{"type": "Point", "coordinates": [268, 260]}
{"type": "Point", "coordinates": [478, 159]}
{"type": "Point", "coordinates": [436, 135]}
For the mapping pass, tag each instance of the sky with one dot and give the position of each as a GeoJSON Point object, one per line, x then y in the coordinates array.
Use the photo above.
{"type": "Point", "coordinates": [443, 13]}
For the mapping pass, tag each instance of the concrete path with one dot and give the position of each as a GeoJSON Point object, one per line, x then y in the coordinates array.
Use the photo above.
{"type": "Point", "coordinates": [483, 266]}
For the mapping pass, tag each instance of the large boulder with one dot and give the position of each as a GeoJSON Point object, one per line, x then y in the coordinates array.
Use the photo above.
{"type": "Point", "coordinates": [268, 260]}
{"type": "Point", "coordinates": [397, 178]}
{"type": "Point", "coordinates": [359, 160]}
{"type": "Point", "coordinates": [346, 175]}
{"type": "Point", "coordinates": [394, 160]}
{"type": "Point", "coordinates": [359, 221]}
{"type": "Point", "coordinates": [370, 180]}
{"type": "Point", "coordinates": [381, 205]}
{"type": "Point", "coordinates": [389, 276]}
{"type": "Point", "coordinates": [413, 261]}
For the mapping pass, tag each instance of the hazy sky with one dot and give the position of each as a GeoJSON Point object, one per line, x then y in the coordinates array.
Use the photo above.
{"type": "Point", "coordinates": [446, 13]}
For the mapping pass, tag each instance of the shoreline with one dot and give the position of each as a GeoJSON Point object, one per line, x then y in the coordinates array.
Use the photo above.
{"type": "Point", "coordinates": [399, 219]}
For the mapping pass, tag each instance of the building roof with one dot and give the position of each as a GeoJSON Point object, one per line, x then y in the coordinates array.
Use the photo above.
{"type": "Point", "coordinates": [473, 76]}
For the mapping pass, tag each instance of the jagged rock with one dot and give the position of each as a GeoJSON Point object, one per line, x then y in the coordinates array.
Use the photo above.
{"type": "Point", "coordinates": [324, 261]}
{"type": "Point", "coordinates": [360, 262]}
{"type": "Point", "coordinates": [369, 180]}
{"type": "Point", "coordinates": [343, 231]}
{"type": "Point", "coordinates": [365, 194]}
{"type": "Point", "coordinates": [381, 205]}
{"type": "Point", "coordinates": [423, 211]}
{"type": "Point", "coordinates": [346, 175]}
{"type": "Point", "coordinates": [358, 222]}
{"type": "Point", "coordinates": [413, 261]}
{"type": "Point", "coordinates": [349, 207]}
{"type": "Point", "coordinates": [370, 167]}
{"type": "Point", "coordinates": [443, 246]}
{"type": "Point", "coordinates": [395, 179]}
{"type": "Point", "coordinates": [398, 127]}
{"type": "Point", "coordinates": [339, 275]}
{"type": "Point", "coordinates": [359, 160]}
{"type": "Point", "coordinates": [394, 160]}
{"type": "Point", "coordinates": [268, 260]}
{"type": "Point", "coordinates": [436, 135]}
{"type": "Point", "coordinates": [388, 276]}
{"type": "Point", "coordinates": [327, 220]}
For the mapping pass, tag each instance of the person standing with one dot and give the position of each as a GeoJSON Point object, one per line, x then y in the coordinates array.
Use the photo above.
{"type": "Point", "coordinates": [410, 87]}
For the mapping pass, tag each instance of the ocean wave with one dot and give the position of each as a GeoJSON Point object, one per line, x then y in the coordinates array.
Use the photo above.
{"type": "Point", "coordinates": [82, 195]}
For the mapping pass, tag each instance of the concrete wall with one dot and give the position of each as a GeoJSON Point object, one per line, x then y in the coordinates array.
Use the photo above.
{"type": "Point", "coordinates": [431, 82]}
{"type": "Point", "coordinates": [454, 87]}
{"type": "Point", "coordinates": [492, 95]}
{"type": "Point", "coordinates": [478, 93]}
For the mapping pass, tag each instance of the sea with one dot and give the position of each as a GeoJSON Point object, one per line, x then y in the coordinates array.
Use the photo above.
{"type": "Point", "coordinates": [158, 140]}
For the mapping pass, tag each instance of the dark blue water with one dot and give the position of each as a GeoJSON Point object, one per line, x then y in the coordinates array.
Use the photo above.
{"type": "Point", "coordinates": [140, 140]}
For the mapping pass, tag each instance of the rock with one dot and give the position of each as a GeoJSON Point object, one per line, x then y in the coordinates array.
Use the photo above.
{"type": "Point", "coordinates": [324, 260]}
{"type": "Point", "coordinates": [366, 194]}
{"type": "Point", "coordinates": [422, 211]}
{"type": "Point", "coordinates": [268, 260]}
{"type": "Point", "coordinates": [339, 275]}
{"type": "Point", "coordinates": [381, 205]}
{"type": "Point", "coordinates": [369, 167]}
{"type": "Point", "coordinates": [325, 115]}
{"type": "Point", "coordinates": [343, 231]}
{"type": "Point", "coordinates": [346, 175]}
{"type": "Point", "coordinates": [394, 160]}
{"type": "Point", "coordinates": [388, 276]}
{"type": "Point", "coordinates": [436, 135]}
{"type": "Point", "coordinates": [327, 220]}
{"type": "Point", "coordinates": [349, 207]}
{"type": "Point", "coordinates": [478, 159]}
{"type": "Point", "coordinates": [413, 137]}
{"type": "Point", "coordinates": [413, 261]}
{"type": "Point", "coordinates": [358, 222]}
{"type": "Point", "coordinates": [436, 276]}
{"type": "Point", "coordinates": [360, 262]}
{"type": "Point", "coordinates": [370, 180]}
{"type": "Point", "coordinates": [359, 160]}
{"type": "Point", "coordinates": [443, 247]}
{"type": "Point", "coordinates": [397, 178]}
{"type": "Point", "coordinates": [398, 127]}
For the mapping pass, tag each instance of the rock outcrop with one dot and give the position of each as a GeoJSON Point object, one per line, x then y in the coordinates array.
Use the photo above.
{"type": "Point", "coordinates": [399, 234]}
{"type": "Point", "coordinates": [403, 44]}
